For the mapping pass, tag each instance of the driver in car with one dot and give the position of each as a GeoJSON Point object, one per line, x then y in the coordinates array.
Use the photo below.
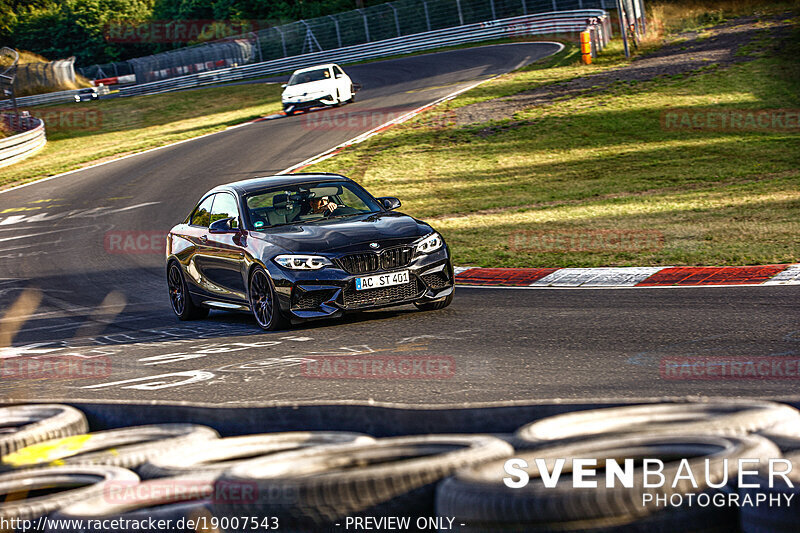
{"type": "Point", "coordinates": [317, 206]}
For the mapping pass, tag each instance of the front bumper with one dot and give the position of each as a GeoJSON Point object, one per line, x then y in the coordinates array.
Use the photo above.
{"type": "Point", "coordinates": [330, 292]}
{"type": "Point", "coordinates": [308, 104]}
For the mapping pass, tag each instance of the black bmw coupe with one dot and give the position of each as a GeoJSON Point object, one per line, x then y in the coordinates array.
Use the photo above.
{"type": "Point", "coordinates": [303, 246]}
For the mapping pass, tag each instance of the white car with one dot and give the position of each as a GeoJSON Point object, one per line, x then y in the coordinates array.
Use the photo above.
{"type": "Point", "coordinates": [323, 85]}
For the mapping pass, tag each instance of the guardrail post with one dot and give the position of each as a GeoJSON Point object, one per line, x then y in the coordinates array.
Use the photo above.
{"type": "Point", "coordinates": [338, 33]}
{"type": "Point", "coordinates": [460, 14]}
{"type": "Point", "coordinates": [427, 15]}
{"type": "Point", "coordinates": [258, 45]}
{"type": "Point", "coordinates": [623, 27]}
{"type": "Point", "coordinates": [524, 8]}
{"type": "Point", "coordinates": [494, 13]}
{"type": "Point", "coordinates": [644, 17]}
{"type": "Point", "coordinates": [366, 24]}
{"type": "Point", "coordinates": [555, 7]}
{"type": "Point", "coordinates": [283, 41]}
{"type": "Point", "coordinates": [396, 18]}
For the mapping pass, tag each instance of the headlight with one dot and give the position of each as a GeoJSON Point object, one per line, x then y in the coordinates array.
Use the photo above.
{"type": "Point", "coordinates": [429, 244]}
{"type": "Point", "coordinates": [303, 262]}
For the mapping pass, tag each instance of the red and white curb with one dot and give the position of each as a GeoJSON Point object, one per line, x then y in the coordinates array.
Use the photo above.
{"type": "Point", "coordinates": [626, 277]}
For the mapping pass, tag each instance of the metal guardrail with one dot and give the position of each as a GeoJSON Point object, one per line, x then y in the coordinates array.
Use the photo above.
{"type": "Point", "coordinates": [30, 140]}
{"type": "Point", "coordinates": [57, 97]}
{"type": "Point", "coordinates": [42, 99]}
{"type": "Point", "coordinates": [537, 24]}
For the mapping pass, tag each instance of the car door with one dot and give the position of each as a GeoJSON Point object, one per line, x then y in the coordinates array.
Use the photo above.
{"type": "Point", "coordinates": [223, 261]}
{"type": "Point", "coordinates": [193, 243]}
{"type": "Point", "coordinates": [343, 83]}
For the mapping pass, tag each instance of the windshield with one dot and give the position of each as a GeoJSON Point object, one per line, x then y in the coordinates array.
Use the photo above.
{"type": "Point", "coordinates": [309, 75]}
{"type": "Point", "coordinates": [308, 202]}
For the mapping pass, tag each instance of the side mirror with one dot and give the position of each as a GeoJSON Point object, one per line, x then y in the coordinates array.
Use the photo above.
{"type": "Point", "coordinates": [284, 85]}
{"type": "Point", "coordinates": [223, 225]}
{"type": "Point", "coordinates": [390, 202]}
{"type": "Point", "coordinates": [338, 76]}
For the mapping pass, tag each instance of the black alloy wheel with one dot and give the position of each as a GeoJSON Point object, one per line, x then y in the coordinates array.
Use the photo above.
{"type": "Point", "coordinates": [263, 301]}
{"type": "Point", "coordinates": [179, 297]}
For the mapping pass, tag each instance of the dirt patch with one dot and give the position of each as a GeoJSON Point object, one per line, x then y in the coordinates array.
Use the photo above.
{"type": "Point", "coordinates": [718, 47]}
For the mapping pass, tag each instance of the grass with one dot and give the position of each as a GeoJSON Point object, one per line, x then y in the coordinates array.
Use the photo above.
{"type": "Point", "coordinates": [679, 16]}
{"type": "Point", "coordinates": [602, 161]}
{"type": "Point", "coordinates": [87, 132]}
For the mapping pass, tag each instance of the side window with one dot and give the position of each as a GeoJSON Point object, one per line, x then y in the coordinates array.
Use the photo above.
{"type": "Point", "coordinates": [225, 207]}
{"type": "Point", "coordinates": [202, 215]}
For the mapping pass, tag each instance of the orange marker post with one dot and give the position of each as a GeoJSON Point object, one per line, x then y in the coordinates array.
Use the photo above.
{"type": "Point", "coordinates": [586, 47]}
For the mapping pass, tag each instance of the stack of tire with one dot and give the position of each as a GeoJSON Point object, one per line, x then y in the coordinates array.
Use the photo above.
{"type": "Point", "coordinates": [312, 482]}
{"type": "Point", "coordinates": [186, 477]}
{"type": "Point", "coordinates": [721, 433]}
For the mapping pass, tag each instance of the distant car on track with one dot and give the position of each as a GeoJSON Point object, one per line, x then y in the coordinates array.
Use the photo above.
{"type": "Point", "coordinates": [90, 93]}
{"type": "Point", "coordinates": [303, 246]}
{"type": "Point", "coordinates": [323, 85]}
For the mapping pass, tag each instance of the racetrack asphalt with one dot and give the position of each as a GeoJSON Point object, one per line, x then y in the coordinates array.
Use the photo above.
{"type": "Point", "coordinates": [490, 345]}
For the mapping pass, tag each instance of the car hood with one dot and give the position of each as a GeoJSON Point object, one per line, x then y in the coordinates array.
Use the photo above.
{"type": "Point", "coordinates": [307, 88]}
{"type": "Point", "coordinates": [346, 234]}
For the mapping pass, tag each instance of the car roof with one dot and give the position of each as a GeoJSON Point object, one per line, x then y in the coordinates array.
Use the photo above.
{"type": "Point", "coordinates": [315, 67]}
{"type": "Point", "coordinates": [258, 184]}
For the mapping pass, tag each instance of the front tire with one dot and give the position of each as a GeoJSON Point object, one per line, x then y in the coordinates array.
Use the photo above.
{"type": "Point", "coordinates": [436, 304]}
{"type": "Point", "coordinates": [264, 301]}
{"type": "Point", "coordinates": [179, 297]}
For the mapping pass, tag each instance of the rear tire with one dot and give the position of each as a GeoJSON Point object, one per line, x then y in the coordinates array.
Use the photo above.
{"type": "Point", "coordinates": [179, 297]}
{"type": "Point", "coordinates": [436, 304]}
{"type": "Point", "coordinates": [264, 301]}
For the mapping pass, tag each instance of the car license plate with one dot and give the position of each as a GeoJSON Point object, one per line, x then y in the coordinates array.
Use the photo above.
{"type": "Point", "coordinates": [382, 280]}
